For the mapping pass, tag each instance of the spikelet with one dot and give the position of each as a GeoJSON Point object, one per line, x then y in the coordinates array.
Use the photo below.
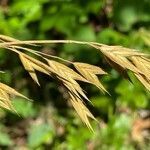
{"type": "Point", "coordinates": [65, 71]}
{"type": "Point", "coordinates": [144, 66]}
{"type": "Point", "coordinates": [5, 100]}
{"type": "Point", "coordinates": [82, 111]}
{"type": "Point", "coordinates": [123, 59]}
{"type": "Point", "coordinates": [31, 64]}
{"type": "Point", "coordinates": [89, 72]}
{"type": "Point", "coordinates": [68, 77]}
{"type": "Point", "coordinates": [5, 93]}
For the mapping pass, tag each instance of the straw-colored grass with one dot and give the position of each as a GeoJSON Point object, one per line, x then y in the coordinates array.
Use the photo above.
{"type": "Point", "coordinates": [120, 58]}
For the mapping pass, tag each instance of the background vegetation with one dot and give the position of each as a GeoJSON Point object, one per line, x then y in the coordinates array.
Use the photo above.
{"type": "Point", "coordinates": [49, 122]}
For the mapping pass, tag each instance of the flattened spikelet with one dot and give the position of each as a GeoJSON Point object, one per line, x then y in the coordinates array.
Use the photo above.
{"type": "Point", "coordinates": [74, 88]}
{"type": "Point", "coordinates": [141, 66]}
{"type": "Point", "coordinates": [40, 66]}
{"type": "Point", "coordinates": [122, 61]}
{"type": "Point", "coordinates": [28, 66]}
{"type": "Point", "coordinates": [5, 100]}
{"type": "Point", "coordinates": [82, 111]}
{"type": "Point", "coordinates": [68, 77]}
{"type": "Point", "coordinates": [11, 91]}
{"type": "Point", "coordinates": [5, 93]}
{"type": "Point", "coordinates": [31, 64]}
{"type": "Point", "coordinates": [65, 71]}
{"type": "Point", "coordinates": [89, 72]}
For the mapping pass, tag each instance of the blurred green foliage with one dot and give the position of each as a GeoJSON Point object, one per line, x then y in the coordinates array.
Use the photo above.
{"type": "Point", "coordinates": [49, 122]}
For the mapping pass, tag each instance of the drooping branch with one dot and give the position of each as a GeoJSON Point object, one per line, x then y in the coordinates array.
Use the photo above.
{"type": "Point", "coordinates": [120, 58]}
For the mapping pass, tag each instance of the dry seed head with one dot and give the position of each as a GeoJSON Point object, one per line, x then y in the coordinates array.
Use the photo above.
{"type": "Point", "coordinates": [120, 58]}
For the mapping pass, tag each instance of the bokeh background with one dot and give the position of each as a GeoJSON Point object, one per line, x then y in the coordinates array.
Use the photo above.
{"type": "Point", "coordinates": [50, 122]}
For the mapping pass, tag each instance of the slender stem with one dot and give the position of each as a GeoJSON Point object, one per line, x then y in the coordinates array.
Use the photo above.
{"type": "Point", "coordinates": [49, 42]}
{"type": "Point", "coordinates": [16, 42]}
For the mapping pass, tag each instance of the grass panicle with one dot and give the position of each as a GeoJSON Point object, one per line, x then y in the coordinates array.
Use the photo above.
{"type": "Point", "coordinates": [120, 58]}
